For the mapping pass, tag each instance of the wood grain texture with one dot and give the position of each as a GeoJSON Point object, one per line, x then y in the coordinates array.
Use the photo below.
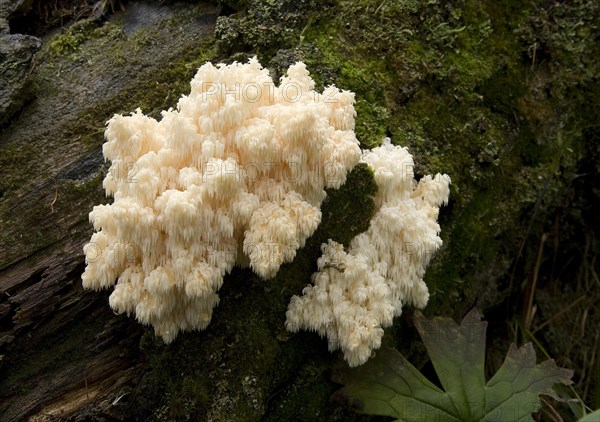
{"type": "Point", "coordinates": [62, 350]}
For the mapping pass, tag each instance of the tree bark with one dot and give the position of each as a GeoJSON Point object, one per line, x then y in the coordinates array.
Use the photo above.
{"type": "Point", "coordinates": [62, 350]}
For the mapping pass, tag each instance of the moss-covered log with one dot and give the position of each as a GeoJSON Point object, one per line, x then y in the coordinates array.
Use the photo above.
{"type": "Point", "coordinates": [502, 96]}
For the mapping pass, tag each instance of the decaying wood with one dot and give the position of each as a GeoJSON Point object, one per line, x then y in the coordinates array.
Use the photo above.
{"type": "Point", "coordinates": [62, 350]}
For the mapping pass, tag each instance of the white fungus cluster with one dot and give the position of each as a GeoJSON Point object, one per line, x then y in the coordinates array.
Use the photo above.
{"type": "Point", "coordinates": [357, 293]}
{"type": "Point", "coordinates": [235, 175]}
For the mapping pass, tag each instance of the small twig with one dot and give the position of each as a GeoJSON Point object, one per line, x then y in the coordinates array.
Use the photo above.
{"type": "Point", "coordinates": [55, 198]}
{"type": "Point", "coordinates": [533, 57]}
{"type": "Point", "coordinates": [529, 308]}
{"type": "Point", "coordinates": [527, 232]}
{"type": "Point", "coordinates": [301, 36]}
{"type": "Point", "coordinates": [380, 6]}
{"type": "Point", "coordinates": [548, 321]}
{"type": "Point", "coordinates": [593, 364]}
{"type": "Point", "coordinates": [553, 413]}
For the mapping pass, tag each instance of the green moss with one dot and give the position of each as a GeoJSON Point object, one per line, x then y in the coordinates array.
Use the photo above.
{"type": "Point", "coordinates": [168, 85]}
{"type": "Point", "coordinates": [307, 396]}
{"type": "Point", "coordinates": [264, 26]}
{"type": "Point", "coordinates": [449, 81]}
{"type": "Point", "coordinates": [347, 211]}
{"type": "Point", "coordinates": [70, 40]}
{"type": "Point", "coordinates": [505, 115]}
{"type": "Point", "coordinates": [243, 360]}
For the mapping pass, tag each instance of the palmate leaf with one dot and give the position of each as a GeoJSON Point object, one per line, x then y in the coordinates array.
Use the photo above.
{"type": "Point", "coordinates": [458, 354]}
{"type": "Point", "coordinates": [591, 417]}
{"type": "Point", "coordinates": [389, 385]}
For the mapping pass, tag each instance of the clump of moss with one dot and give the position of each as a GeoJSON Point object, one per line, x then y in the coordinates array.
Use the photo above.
{"type": "Point", "coordinates": [263, 26]}
{"type": "Point", "coordinates": [71, 39]}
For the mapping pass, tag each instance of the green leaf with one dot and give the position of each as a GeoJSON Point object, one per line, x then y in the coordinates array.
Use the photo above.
{"type": "Point", "coordinates": [591, 417]}
{"type": "Point", "coordinates": [458, 356]}
{"type": "Point", "coordinates": [512, 394]}
{"type": "Point", "coordinates": [389, 385]}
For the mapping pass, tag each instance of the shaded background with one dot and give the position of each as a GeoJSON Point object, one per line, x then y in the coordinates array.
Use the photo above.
{"type": "Point", "coordinates": [502, 96]}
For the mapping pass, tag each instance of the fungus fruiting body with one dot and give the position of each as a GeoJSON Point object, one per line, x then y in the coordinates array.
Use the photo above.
{"type": "Point", "coordinates": [235, 175]}
{"type": "Point", "coordinates": [357, 293]}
